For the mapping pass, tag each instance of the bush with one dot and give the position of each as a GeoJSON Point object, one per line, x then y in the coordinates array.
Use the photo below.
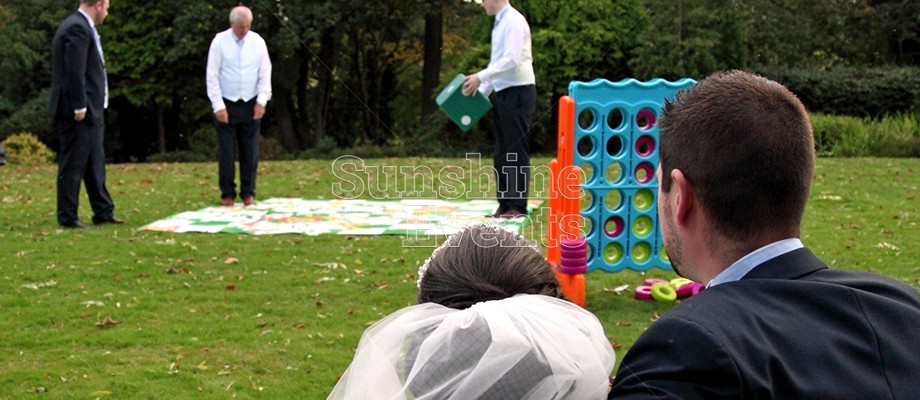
{"type": "Point", "coordinates": [203, 148]}
{"type": "Point", "coordinates": [204, 142]}
{"type": "Point", "coordinates": [853, 91]}
{"type": "Point", "coordinates": [177, 156]}
{"type": "Point", "coordinates": [326, 148]}
{"type": "Point", "coordinates": [270, 149]}
{"type": "Point", "coordinates": [32, 117]}
{"type": "Point", "coordinates": [846, 136]}
{"type": "Point", "coordinates": [25, 149]}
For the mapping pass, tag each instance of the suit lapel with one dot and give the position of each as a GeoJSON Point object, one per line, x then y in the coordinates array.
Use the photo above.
{"type": "Point", "coordinates": [792, 265]}
{"type": "Point", "coordinates": [81, 19]}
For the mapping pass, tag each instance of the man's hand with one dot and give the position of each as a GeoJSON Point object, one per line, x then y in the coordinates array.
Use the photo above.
{"type": "Point", "coordinates": [222, 116]}
{"type": "Point", "coordinates": [79, 116]}
{"type": "Point", "coordinates": [258, 112]}
{"type": "Point", "coordinates": [471, 84]}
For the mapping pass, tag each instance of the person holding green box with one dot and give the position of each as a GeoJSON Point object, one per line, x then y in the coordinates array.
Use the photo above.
{"type": "Point", "coordinates": [510, 75]}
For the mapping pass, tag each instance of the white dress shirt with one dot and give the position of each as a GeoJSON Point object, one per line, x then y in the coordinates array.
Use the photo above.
{"type": "Point", "coordinates": [511, 61]}
{"type": "Point", "coordinates": [238, 69]}
{"type": "Point", "coordinates": [105, 101]}
{"type": "Point", "coordinates": [746, 264]}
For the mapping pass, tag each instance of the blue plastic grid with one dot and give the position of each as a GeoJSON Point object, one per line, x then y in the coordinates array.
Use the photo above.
{"type": "Point", "coordinates": [616, 139]}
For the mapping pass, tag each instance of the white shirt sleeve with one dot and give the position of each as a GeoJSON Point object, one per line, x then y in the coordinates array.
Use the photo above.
{"type": "Point", "coordinates": [512, 52]}
{"type": "Point", "coordinates": [485, 87]}
{"type": "Point", "coordinates": [264, 86]}
{"type": "Point", "coordinates": [212, 76]}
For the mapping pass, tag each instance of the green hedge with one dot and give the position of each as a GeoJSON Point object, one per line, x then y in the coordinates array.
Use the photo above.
{"type": "Point", "coordinates": [853, 91]}
{"type": "Point", "coordinates": [844, 136]}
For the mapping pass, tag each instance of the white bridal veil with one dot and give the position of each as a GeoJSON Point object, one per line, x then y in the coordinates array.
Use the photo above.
{"type": "Point", "coordinates": [523, 347]}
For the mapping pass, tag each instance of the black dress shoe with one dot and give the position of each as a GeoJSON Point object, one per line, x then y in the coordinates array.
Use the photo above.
{"type": "Point", "coordinates": [512, 214]}
{"type": "Point", "coordinates": [109, 220]}
{"type": "Point", "coordinates": [498, 213]}
{"type": "Point", "coordinates": [77, 225]}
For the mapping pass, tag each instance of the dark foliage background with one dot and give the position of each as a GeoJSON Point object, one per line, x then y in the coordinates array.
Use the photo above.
{"type": "Point", "coordinates": [359, 75]}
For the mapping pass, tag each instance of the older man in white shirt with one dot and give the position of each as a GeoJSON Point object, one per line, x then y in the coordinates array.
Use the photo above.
{"type": "Point", "coordinates": [239, 86]}
{"type": "Point", "coordinates": [510, 75]}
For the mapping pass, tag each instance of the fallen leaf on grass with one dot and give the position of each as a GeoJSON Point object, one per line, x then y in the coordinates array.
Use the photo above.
{"type": "Point", "coordinates": [231, 260]}
{"type": "Point", "coordinates": [331, 265]}
{"type": "Point", "coordinates": [36, 286]}
{"type": "Point", "coordinates": [231, 287]}
{"type": "Point", "coordinates": [885, 245]}
{"type": "Point", "coordinates": [616, 345]}
{"type": "Point", "coordinates": [90, 303]}
{"type": "Point", "coordinates": [107, 321]}
{"type": "Point", "coordinates": [101, 393]}
{"type": "Point", "coordinates": [320, 281]}
{"type": "Point", "coordinates": [617, 290]}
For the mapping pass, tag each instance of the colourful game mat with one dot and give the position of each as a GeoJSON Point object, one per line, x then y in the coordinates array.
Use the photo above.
{"type": "Point", "coordinates": [339, 217]}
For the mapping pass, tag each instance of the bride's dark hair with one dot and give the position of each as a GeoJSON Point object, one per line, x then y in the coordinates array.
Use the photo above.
{"type": "Point", "coordinates": [484, 263]}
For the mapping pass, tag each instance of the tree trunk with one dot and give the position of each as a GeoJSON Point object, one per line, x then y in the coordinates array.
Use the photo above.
{"type": "Point", "coordinates": [161, 127]}
{"type": "Point", "coordinates": [328, 56]}
{"type": "Point", "coordinates": [283, 112]}
{"type": "Point", "coordinates": [301, 109]}
{"type": "Point", "coordinates": [431, 70]}
{"type": "Point", "coordinates": [360, 74]}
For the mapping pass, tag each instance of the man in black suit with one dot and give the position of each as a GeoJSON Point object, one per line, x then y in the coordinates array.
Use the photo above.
{"type": "Point", "coordinates": [736, 162]}
{"type": "Point", "coordinates": [79, 96]}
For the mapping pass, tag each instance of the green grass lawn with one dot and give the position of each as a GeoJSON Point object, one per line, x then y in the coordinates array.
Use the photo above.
{"type": "Point", "coordinates": [220, 316]}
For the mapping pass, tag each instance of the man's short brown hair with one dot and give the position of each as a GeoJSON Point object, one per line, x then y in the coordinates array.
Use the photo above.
{"type": "Point", "coordinates": [745, 143]}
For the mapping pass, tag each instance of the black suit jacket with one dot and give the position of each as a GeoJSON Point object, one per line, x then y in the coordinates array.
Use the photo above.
{"type": "Point", "coordinates": [790, 329]}
{"type": "Point", "coordinates": [78, 74]}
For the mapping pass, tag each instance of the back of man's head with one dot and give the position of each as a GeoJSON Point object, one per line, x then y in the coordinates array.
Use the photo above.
{"type": "Point", "coordinates": [745, 143]}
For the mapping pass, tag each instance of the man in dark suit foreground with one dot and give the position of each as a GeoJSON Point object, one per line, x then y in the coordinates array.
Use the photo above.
{"type": "Point", "coordinates": [79, 96]}
{"type": "Point", "coordinates": [737, 158]}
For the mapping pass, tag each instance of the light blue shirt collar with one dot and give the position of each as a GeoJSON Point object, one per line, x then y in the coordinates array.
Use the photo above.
{"type": "Point", "coordinates": [746, 264]}
{"type": "Point", "coordinates": [501, 14]}
{"type": "Point", "coordinates": [91, 23]}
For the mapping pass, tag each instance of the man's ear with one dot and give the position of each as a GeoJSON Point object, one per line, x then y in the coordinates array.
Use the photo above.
{"type": "Point", "coordinates": [683, 202]}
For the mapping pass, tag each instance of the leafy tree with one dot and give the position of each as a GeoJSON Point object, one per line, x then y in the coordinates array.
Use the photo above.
{"type": "Point", "coordinates": [26, 29]}
{"type": "Point", "coordinates": [690, 38]}
{"type": "Point", "coordinates": [899, 25]}
{"type": "Point", "coordinates": [148, 48]}
{"type": "Point", "coordinates": [813, 33]}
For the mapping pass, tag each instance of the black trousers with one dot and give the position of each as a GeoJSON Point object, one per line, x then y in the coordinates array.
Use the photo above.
{"type": "Point", "coordinates": [82, 158]}
{"type": "Point", "coordinates": [241, 132]}
{"type": "Point", "coordinates": [513, 109]}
